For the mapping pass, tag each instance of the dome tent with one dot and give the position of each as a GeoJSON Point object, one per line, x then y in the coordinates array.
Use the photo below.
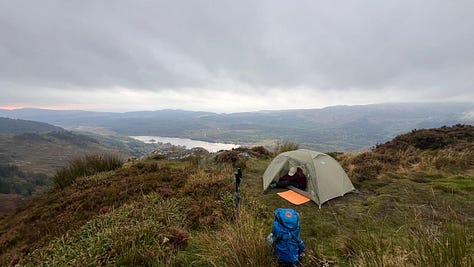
{"type": "Point", "coordinates": [326, 178]}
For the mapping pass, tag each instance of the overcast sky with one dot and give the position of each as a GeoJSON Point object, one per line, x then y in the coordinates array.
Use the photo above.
{"type": "Point", "coordinates": [228, 56]}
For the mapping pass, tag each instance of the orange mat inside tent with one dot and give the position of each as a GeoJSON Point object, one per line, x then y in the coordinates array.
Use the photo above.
{"type": "Point", "coordinates": [294, 197]}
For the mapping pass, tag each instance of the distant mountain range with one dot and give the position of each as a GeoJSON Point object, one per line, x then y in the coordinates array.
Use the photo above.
{"type": "Point", "coordinates": [340, 128]}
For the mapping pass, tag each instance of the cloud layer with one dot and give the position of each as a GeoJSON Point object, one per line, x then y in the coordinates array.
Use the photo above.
{"type": "Point", "coordinates": [220, 52]}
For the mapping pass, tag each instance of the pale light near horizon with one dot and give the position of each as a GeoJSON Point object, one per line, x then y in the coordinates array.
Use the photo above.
{"type": "Point", "coordinates": [234, 56]}
{"type": "Point", "coordinates": [123, 99]}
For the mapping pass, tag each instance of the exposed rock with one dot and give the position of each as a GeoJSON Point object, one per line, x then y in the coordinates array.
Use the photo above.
{"type": "Point", "coordinates": [171, 152]}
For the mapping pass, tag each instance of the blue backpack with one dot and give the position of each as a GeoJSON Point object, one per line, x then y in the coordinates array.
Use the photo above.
{"type": "Point", "coordinates": [288, 247]}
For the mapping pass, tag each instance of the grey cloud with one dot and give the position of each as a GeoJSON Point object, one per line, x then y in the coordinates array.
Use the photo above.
{"type": "Point", "coordinates": [178, 44]}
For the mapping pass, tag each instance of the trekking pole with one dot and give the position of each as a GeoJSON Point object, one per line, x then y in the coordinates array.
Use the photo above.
{"type": "Point", "coordinates": [238, 177]}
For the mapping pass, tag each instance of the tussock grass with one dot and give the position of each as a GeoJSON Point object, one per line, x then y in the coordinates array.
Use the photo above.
{"type": "Point", "coordinates": [437, 245]}
{"type": "Point", "coordinates": [237, 243]}
{"type": "Point", "coordinates": [97, 179]}
{"type": "Point", "coordinates": [444, 245]}
{"type": "Point", "coordinates": [85, 166]}
{"type": "Point", "coordinates": [146, 232]}
{"type": "Point", "coordinates": [371, 165]}
{"type": "Point", "coordinates": [373, 249]}
{"type": "Point", "coordinates": [447, 160]}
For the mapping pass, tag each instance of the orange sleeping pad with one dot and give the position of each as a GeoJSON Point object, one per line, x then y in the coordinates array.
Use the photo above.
{"type": "Point", "coordinates": [294, 197]}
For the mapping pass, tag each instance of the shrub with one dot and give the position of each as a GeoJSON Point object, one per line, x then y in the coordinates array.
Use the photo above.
{"type": "Point", "coordinates": [429, 140]}
{"type": "Point", "coordinates": [85, 166]}
{"type": "Point", "coordinates": [257, 151]}
{"type": "Point", "coordinates": [261, 151]}
{"type": "Point", "coordinates": [235, 157]}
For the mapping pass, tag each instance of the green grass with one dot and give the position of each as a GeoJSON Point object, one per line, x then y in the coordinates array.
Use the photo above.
{"type": "Point", "coordinates": [456, 184]}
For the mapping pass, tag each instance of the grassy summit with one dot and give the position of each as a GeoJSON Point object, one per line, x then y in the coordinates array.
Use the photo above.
{"type": "Point", "coordinates": [414, 208]}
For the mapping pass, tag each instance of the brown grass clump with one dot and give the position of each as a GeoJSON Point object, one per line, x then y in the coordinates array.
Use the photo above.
{"type": "Point", "coordinates": [204, 183]}
{"type": "Point", "coordinates": [236, 243]}
{"type": "Point", "coordinates": [178, 237]}
{"type": "Point", "coordinates": [369, 165]}
{"type": "Point", "coordinates": [205, 192]}
{"type": "Point", "coordinates": [445, 149]}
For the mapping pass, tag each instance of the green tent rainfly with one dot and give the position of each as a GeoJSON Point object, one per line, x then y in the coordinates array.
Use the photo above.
{"type": "Point", "coordinates": [326, 178]}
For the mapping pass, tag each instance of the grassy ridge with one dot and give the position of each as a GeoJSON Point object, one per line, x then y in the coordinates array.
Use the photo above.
{"type": "Point", "coordinates": [409, 212]}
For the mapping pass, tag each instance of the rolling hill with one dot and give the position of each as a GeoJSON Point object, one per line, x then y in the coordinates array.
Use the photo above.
{"type": "Point", "coordinates": [31, 153]}
{"type": "Point", "coordinates": [47, 152]}
{"type": "Point", "coordinates": [40, 147]}
{"type": "Point", "coordinates": [17, 126]}
{"type": "Point", "coordinates": [338, 128]}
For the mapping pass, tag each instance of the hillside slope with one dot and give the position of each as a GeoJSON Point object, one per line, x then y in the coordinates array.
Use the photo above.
{"type": "Point", "coordinates": [47, 152]}
{"type": "Point", "coordinates": [12, 126]}
{"type": "Point", "coordinates": [414, 208]}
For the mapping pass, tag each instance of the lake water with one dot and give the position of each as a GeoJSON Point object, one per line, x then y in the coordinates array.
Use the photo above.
{"type": "Point", "coordinates": [188, 143]}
